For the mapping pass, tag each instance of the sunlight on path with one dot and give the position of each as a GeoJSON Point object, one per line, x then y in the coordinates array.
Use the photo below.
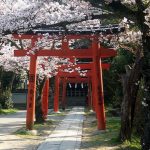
{"type": "Point", "coordinates": [68, 134]}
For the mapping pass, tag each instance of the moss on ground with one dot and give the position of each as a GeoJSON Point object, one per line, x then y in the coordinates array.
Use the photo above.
{"type": "Point", "coordinates": [109, 139]}
{"type": "Point", "coordinates": [39, 130]}
{"type": "Point", "coordinates": [43, 129]}
{"type": "Point", "coordinates": [7, 111]}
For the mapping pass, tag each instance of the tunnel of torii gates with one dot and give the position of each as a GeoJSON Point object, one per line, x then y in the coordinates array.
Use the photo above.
{"type": "Point", "coordinates": [95, 52]}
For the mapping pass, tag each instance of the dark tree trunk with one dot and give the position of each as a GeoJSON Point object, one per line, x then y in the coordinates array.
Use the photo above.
{"type": "Point", "coordinates": [10, 84]}
{"type": "Point", "coordinates": [38, 108]}
{"type": "Point", "coordinates": [130, 90]}
{"type": "Point", "coordinates": [145, 140]}
{"type": "Point", "coordinates": [10, 79]}
{"type": "Point", "coordinates": [1, 75]}
{"type": "Point", "coordinates": [146, 74]}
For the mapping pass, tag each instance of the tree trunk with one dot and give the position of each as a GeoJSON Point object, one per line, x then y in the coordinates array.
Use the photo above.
{"type": "Point", "coordinates": [130, 90]}
{"type": "Point", "coordinates": [1, 75]}
{"type": "Point", "coordinates": [146, 74]}
{"type": "Point", "coordinates": [145, 140]}
{"type": "Point", "coordinates": [38, 108]}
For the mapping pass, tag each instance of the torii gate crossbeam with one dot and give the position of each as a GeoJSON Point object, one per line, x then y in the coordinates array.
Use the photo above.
{"type": "Point", "coordinates": [96, 53]}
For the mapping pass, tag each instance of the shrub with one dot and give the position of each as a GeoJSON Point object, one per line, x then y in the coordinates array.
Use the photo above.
{"type": "Point", "coordinates": [5, 100]}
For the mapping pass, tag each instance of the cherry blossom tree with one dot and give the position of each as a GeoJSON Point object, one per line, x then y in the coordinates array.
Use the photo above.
{"type": "Point", "coordinates": [24, 15]}
{"type": "Point", "coordinates": [136, 13]}
{"type": "Point", "coordinates": [47, 66]}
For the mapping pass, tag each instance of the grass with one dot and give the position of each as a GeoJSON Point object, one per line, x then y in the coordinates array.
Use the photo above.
{"type": "Point", "coordinates": [39, 129]}
{"type": "Point", "coordinates": [133, 145]}
{"type": "Point", "coordinates": [7, 111]}
{"type": "Point", "coordinates": [110, 137]}
{"type": "Point", "coordinates": [43, 126]}
{"type": "Point", "coordinates": [23, 132]}
{"type": "Point", "coordinates": [43, 129]}
{"type": "Point", "coordinates": [60, 113]}
{"type": "Point", "coordinates": [57, 114]}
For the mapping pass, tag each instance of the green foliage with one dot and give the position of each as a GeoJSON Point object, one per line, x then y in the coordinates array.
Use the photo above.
{"type": "Point", "coordinates": [134, 144]}
{"type": "Point", "coordinates": [39, 130]}
{"type": "Point", "coordinates": [101, 139]}
{"type": "Point", "coordinates": [5, 100]}
{"type": "Point", "coordinates": [110, 137]}
{"type": "Point", "coordinates": [6, 80]}
{"type": "Point", "coordinates": [16, 83]}
{"type": "Point", "coordinates": [22, 131]}
{"type": "Point", "coordinates": [7, 111]}
{"type": "Point", "coordinates": [112, 78]}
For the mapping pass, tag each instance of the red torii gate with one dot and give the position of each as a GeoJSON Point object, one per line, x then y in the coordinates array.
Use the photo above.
{"type": "Point", "coordinates": [95, 52]}
{"type": "Point", "coordinates": [65, 80]}
{"type": "Point", "coordinates": [87, 66]}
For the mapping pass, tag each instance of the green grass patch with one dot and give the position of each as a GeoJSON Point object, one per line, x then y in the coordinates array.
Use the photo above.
{"type": "Point", "coordinates": [57, 114]}
{"type": "Point", "coordinates": [134, 144]}
{"type": "Point", "coordinates": [39, 129]}
{"type": "Point", "coordinates": [60, 113]}
{"type": "Point", "coordinates": [110, 137]}
{"type": "Point", "coordinates": [7, 111]}
{"type": "Point", "coordinates": [43, 126]}
{"type": "Point", "coordinates": [23, 132]}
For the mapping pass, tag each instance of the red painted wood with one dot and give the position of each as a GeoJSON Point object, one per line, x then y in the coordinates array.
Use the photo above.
{"type": "Point", "coordinates": [64, 93]}
{"type": "Point", "coordinates": [101, 99]}
{"type": "Point", "coordinates": [31, 36]}
{"type": "Point", "coordinates": [86, 66]}
{"type": "Point", "coordinates": [97, 83]}
{"type": "Point", "coordinates": [45, 95]}
{"type": "Point", "coordinates": [31, 92]}
{"type": "Point", "coordinates": [72, 74]}
{"type": "Point", "coordinates": [89, 95]}
{"type": "Point", "coordinates": [78, 80]}
{"type": "Point", "coordinates": [56, 94]}
{"type": "Point", "coordinates": [93, 94]}
{"type": "Point", "coordinates": [98, 87]}
{"type": "Point", "coordinates": [78, 53]}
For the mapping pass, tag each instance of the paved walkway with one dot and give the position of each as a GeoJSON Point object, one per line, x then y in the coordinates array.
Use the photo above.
{"type": "Point", "coordinates": [66, 136]}
{"type": "Point", "coordinates": [11, 123]}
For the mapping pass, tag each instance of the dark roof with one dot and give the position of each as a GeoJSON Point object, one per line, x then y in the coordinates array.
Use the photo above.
{"type": "Point", "coordinates": [108, 29]}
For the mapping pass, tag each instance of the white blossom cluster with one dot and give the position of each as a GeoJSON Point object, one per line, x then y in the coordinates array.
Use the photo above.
{"type": "Point", "coordinates": [133, 3]}
{"type": "Point", "coordinates": [11, 63]}
{"type": "Point", "coordinates": [84, 25]}
{"type": "Point", "coordinates": [22, 14]}
{"type": "Point", "coordinates": [130, 2]}
{"type": "Point", "coordinates": [46, 66]}
{"type": "Point", "coordinates": [147, 16]}
{"type": "Point", "coordinates": [130, 36]}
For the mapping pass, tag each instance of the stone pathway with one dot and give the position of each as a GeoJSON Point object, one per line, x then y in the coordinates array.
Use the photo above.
{"type": "Point", "coordinates": [11, 123]}
{"type": "Point", "coordinates": [68, 134]}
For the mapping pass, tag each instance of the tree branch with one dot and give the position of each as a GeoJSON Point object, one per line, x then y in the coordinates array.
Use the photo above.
{"type": "Point", "coordinates": [14, 44]}
{"type": "Point", "coordinates": [119, 9]}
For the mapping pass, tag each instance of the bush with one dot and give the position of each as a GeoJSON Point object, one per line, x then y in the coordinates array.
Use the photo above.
{"type": "Point", "coordinates": [0, 106]}
{"type": "Point", "coordinates": [5, 100]}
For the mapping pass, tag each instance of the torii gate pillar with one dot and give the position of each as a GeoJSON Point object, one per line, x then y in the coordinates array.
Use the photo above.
{"type": "Point", "coordinates": [98, 86]}
{"type": "Point", "coordinates": [31, 93]}
{"type": "Point", "coordinates": [64, 93]}
{"type": "Point", "coordinates": [56, 94]}
{"type": "Point", "coordinates": [31, 90]}
{"type": "Point", "coordinates": [89, 95]}
{"type": "Point", "coordinates": [45, 95]}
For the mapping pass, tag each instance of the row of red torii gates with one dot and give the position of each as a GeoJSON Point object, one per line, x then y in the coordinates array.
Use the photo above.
{"type": "Point", "coordinates": [93, 76]}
